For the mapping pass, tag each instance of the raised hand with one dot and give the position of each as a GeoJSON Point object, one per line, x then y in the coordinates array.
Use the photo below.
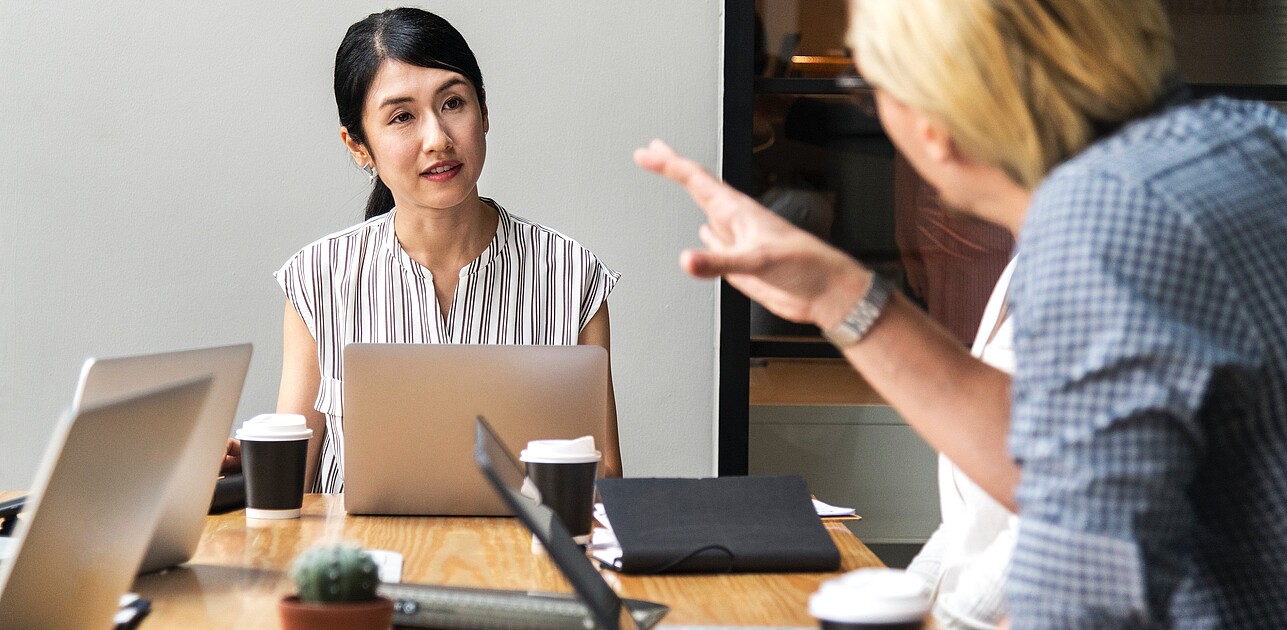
{"type": "Point", "coordinates": [784, 268]}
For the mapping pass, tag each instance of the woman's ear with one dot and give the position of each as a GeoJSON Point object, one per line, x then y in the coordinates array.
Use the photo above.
{"type": "Point", "coordinates": [937, 142]}
{"type": "Point", "coordinates": [358, 150]}
{"type": "Point", "coordinates": [486, 123]}
{"type": "Point", "coordinates": [940, 148]}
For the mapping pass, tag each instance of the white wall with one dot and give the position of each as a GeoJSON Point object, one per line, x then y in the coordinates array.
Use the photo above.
{"type": "Point", "coordinates": [163, 158]}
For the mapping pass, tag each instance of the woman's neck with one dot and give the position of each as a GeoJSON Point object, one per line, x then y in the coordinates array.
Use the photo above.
{"type": "Point", "coordinates": [989, 194]}
{"type": "Point", "coordinates": [445, 240]}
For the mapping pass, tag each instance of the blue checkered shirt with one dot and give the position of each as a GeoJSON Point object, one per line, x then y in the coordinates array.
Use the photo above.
{"type": "Point", "coordinates": [1150, 396]}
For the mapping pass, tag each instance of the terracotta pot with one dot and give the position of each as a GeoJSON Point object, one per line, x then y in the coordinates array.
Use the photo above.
{"type": "Point", "coordinates": [376, 614]}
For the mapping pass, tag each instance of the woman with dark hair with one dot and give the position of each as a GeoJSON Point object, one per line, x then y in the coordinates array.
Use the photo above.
{"type": "Point", "coordinates": [433, 262]}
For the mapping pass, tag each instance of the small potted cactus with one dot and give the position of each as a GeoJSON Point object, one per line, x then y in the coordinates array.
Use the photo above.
{"type": "Point", "coordinates": [337, 589]}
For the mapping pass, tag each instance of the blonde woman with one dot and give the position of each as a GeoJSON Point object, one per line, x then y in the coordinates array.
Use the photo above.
{"type": "Point", "coordinates": [1149, 403]}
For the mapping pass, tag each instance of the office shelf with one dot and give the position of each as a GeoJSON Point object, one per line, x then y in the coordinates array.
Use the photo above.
{"type": "Point", "coordinates": [797, 85]}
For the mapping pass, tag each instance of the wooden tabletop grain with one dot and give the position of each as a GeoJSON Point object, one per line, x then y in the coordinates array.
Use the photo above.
{"type": "Point", "coordinates": [240, 570]}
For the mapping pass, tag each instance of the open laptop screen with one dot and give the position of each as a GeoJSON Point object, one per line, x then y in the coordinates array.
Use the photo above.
{"type": "Point", "coordinates": [95, 502]}
{"type": "Point", "coordinates": [408, 409]}
{"type": "Point", "coordinates": [187, 500]}
{"type": "Point", "coordinates": [505, 473]}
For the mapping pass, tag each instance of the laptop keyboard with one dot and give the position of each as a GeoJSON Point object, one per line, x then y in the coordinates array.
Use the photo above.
{"type": "Point", "coordinates": [457, 608]}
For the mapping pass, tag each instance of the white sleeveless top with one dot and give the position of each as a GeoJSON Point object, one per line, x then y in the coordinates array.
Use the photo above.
{"type": "Point", "coordinates": [530, 286]}
{"type": "Point", "coordinates": [966, 560]}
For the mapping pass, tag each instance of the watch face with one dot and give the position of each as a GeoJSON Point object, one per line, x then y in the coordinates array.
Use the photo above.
{"type": "Point", "coordinates": [859, 320]}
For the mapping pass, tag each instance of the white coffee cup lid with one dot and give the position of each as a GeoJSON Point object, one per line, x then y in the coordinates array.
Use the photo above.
{"type": "Point", "coordinates": [275, 427]}
{"type": "Point", "coordinates": [871, 596]}
{"type": "Point", "coordinates": [578, 451]}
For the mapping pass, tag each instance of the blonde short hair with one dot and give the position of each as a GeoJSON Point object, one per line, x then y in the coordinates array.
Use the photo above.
{"type": "Point", "coordinates": [1019, 84]}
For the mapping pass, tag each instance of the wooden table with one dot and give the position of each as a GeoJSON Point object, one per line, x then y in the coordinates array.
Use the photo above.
{"type": "Point", "coordinates": [240, 569]}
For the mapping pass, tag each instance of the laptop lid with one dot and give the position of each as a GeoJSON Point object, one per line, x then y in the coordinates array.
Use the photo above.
{"type": "Point", "coordinates": [93, 507]}
{"type": "Point", "coordinates": [505, 475]}
{"type": "Point", "coordinates": [409, 414]}
{"type": "Point", "coordinates": [187, 500]}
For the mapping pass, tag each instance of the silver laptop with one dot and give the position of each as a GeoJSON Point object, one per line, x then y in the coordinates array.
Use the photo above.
{"type": "Point", "coordinates": [94, 504]}
{"type": "Point", "coordinates": [187, 500]}
{"type": "Point", "coordinates": [409, 414]}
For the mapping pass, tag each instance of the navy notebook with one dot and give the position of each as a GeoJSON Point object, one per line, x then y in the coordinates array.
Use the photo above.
{"type": "Point", "coordinates": [717, 525]}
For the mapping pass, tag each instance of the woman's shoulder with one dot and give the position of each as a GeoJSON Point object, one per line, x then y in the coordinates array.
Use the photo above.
{"type": "Point", "coordinates": [533, 244]}
{"type": "Point", "coordinates": [526, 233]}
{"type": "Point", "coordinates": [354, 237]}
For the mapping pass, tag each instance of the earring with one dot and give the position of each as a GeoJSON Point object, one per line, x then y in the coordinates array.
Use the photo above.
{"type": "Point", "coordinates": [371, 174]}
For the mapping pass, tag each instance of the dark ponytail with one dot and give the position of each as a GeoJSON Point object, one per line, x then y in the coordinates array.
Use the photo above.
{"type": "Point", "coordinates": [411, 36]}
{"type": "Point", "coordinates": [380, 200]}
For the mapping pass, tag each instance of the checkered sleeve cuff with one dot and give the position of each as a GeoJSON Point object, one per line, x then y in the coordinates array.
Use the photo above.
{"type": "Point", "coordinates": [1062, 578]}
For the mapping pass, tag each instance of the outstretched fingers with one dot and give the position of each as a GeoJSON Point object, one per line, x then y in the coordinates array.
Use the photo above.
{"type": "Point", "coordinates": [705, 263]}
{"type": "Point", "coordinates": [701, 185]}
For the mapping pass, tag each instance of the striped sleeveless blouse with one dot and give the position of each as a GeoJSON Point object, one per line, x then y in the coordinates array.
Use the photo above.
{"type": "Point", "coordinates": [531, 286]}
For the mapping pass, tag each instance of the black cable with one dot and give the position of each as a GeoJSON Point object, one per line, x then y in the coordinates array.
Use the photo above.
{"type": "Point", "coordinates": [673, 563]}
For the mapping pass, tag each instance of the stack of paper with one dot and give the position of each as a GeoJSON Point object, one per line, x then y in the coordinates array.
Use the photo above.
{"type": "Point", "coordinates": [824, 510]}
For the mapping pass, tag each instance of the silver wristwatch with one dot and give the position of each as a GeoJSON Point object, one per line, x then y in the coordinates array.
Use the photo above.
{"type": "Point", "coordinates": [856, 324]}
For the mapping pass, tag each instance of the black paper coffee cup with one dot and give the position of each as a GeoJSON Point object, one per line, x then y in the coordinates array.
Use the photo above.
{"type": "Point", "coordinates": [274, 454]}
{"type": "Point", "coordinates": [564, 472]}
{"type": "Point", "coordinates": [871, 599]}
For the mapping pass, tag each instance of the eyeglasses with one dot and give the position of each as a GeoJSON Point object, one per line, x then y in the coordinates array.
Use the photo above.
{"type": "Point", "coordinates": [862, 91]}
